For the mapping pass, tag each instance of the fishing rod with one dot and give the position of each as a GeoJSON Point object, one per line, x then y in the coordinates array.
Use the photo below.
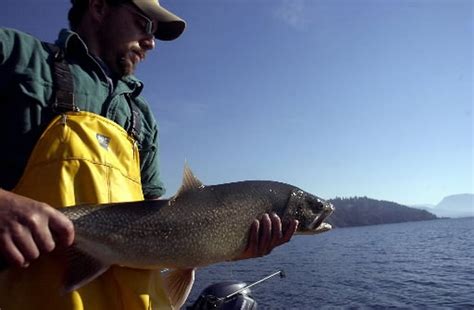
{"type": "Point", "coordinates": [280, 272]}
{"type": "Point", "coordinates": [230, 295]}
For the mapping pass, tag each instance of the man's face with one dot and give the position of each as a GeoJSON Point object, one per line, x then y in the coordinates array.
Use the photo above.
{"type": "Point", "coordinates": [124, 40]}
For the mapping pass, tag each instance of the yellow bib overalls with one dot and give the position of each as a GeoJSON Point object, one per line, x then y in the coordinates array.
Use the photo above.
{"type": "Point", "coordinates": [81, 158]}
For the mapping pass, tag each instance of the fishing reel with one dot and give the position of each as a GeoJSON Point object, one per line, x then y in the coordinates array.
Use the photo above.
{"type": "Point", "coordinates": [230, 295]}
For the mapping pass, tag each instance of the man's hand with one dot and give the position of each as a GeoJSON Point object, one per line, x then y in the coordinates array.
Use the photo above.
{"type": "Point", "coordinates": [29, 228]}
{"type": "Point", "coordinates": [266, 234]}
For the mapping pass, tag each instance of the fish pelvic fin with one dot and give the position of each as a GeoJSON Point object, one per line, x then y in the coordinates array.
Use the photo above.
{"type": "Point", "coordinates": [178, 284]}
{"type": "Point", "coordinates": [81, 269]}
{"type": "Point", "coordinates": [190, 182]}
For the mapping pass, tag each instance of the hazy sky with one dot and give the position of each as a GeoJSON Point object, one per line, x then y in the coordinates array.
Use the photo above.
{"type": "Point", "coordinates": [339, 97]}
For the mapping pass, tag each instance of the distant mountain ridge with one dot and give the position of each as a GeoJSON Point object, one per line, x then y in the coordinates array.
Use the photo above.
{"type": "Point", "coordinates": [361, 211]}
{"type": "Point", "coordinates": [426, 207]}
{"type": "Point", "coordinates": [460, 205]}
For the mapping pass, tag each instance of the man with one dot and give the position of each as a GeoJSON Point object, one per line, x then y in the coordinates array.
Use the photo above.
{"type": "Point", "coordinates": [75, 130]}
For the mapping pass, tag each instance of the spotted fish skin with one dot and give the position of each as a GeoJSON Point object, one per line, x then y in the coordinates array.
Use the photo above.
{"type": "Point", "coordinates": [199, 226]}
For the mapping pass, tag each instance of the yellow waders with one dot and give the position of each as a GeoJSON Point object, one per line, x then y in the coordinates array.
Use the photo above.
{"type": "Point", "coordinates": [81, 158]}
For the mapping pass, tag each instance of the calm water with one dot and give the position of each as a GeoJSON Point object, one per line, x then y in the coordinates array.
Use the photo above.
{"type": "Point", "coordinates": [415, 265]}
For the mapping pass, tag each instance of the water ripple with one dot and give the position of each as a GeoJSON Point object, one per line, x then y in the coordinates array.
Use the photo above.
{"type": "Point", "coordinates": [427, 265]}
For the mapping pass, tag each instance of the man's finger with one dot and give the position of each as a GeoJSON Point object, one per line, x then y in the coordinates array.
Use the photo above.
{"type": "Point", "coordinates": [24, 242]}
{"type": "Point", "coordinates": [39, 228]}
{"type": "Point", "coordinates": [62, 229]}
{"type": "Point", "coordinates": [252, 243]}
{"type": "Point", "coordinates": [11, 254]}
{"type": "Point", "coordinates": [265, 236]}
{"type": "Point", "coordinates": [43, 238]}
{"type": "Point", "coordinates": [277, 233]}
{"type": "Point", "coordinates": [289, 231]}
{"type": "Point", "coordinates": [253, 237]}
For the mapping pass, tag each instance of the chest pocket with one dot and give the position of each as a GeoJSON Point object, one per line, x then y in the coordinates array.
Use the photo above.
{"type": "Point", "coordinates": [82, 158]}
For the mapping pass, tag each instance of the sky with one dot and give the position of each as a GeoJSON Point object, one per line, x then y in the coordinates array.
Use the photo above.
{"type": "Point", "coordinates": [341, 98]}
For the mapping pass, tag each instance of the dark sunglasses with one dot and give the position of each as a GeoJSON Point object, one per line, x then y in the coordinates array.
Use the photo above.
{"type": "Point", "coordinates": [148, 28]}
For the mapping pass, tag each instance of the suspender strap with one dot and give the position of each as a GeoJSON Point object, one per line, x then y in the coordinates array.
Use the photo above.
{"type": "Point", "coordinates": [64, 91]}
{"type": "Point", "coordinates": [62, 82]}
{"type": "Point", "coordinates": [135, 120]}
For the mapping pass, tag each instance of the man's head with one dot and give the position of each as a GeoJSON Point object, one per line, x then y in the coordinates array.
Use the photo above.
{"type": "Point", "coordinates": [120, 32]}
{"type": "Point", "coordinates": [169, 27]}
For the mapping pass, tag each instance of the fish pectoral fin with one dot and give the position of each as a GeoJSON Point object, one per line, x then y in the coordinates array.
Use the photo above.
{"type": "Point", "coordinates": [178, 284]}
{"type": "Point", "coordinates": [81, 269]}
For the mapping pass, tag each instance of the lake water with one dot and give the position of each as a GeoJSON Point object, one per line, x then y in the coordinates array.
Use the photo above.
{"type": "Point", "coordinates": [427, 265]}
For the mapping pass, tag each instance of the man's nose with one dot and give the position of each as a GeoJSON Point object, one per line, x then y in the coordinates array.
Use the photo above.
{"type": "Point", "coordinates": [148, 43]}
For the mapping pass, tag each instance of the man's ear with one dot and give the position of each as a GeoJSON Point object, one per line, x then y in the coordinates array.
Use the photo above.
{"type": "Point", "coordinates": [98, 9]}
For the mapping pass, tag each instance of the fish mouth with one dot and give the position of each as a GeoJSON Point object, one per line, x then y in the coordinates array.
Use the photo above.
{"type": "Point", "coordinates": [318, 225]}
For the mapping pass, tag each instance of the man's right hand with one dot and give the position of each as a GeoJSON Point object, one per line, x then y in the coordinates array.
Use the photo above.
{"type": "Point", "coordinates": [29, 228]}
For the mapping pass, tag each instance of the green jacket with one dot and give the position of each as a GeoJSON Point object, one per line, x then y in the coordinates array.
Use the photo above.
{"type": "Point", "coordinates": [26, 90]}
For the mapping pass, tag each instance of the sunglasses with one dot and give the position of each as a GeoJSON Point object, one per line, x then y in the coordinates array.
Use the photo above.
{"type": "Point", "coordinates": [148, 26]}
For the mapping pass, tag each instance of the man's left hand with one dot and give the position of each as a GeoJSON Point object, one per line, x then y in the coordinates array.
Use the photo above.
{"type": "Point", "coordinates": [266, 234]}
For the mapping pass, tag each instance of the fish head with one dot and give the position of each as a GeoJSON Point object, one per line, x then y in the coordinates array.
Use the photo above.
{"type": "Point", "coordinates": [310, 211]}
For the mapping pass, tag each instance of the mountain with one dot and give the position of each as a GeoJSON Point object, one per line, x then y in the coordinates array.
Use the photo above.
{"type": "Point", "coordinates": [461, 205]}
{"type": "Point", "coordinates": [427, 207]}
{"type": "Point", "coordinates": [361, 211]}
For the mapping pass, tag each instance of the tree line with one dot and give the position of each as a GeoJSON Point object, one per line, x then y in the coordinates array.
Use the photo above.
{"type": "Point", "coordinates": [360, 211]}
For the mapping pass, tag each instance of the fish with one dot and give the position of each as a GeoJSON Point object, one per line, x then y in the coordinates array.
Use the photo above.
{"type": "Point", "coordinates": [200, 225]}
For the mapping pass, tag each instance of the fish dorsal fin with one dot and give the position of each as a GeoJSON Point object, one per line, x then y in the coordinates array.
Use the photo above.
{"type": "Point", "coordinates": [81, 269]}
{"type": "Point", "coordinates": [190, 181]}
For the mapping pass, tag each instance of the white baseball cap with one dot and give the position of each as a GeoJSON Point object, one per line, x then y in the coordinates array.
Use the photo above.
{"type": "Point", "coordinates": [169, 25]}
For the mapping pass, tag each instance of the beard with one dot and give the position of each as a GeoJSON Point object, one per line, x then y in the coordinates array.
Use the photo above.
{"type": "Point", "coordinates": [116, 55]}
{"type": "Point", "coordinates": [125, 66]}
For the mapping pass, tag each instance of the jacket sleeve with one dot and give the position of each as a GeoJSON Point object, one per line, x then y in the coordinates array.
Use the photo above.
{"type": "Point", "coordinates": [19, 52]}
{"type": "Point", "coordinates": [149, 154]}
{"type": "Point", "coordinates": [6, 46]}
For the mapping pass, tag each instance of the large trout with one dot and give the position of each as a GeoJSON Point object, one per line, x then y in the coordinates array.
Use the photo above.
{"type": "Point", "coordinates": [200, 225]}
